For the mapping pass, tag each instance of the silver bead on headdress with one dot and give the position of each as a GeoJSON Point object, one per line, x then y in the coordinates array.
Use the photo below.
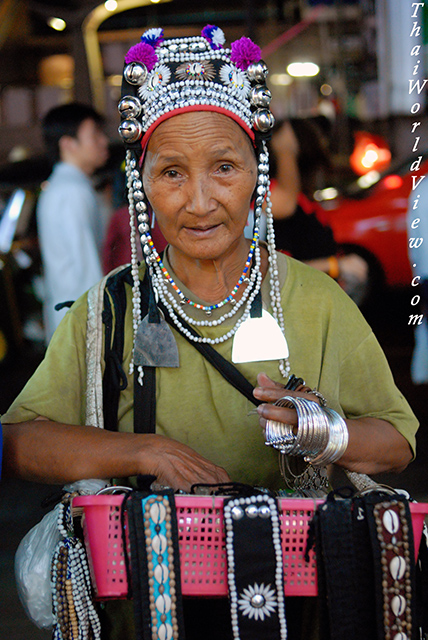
{"type": "Point", "coordinates": [166, 77]}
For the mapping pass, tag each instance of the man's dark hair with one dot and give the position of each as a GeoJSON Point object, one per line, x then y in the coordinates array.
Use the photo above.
{"type": "Point", "coordinates": [65, 120]}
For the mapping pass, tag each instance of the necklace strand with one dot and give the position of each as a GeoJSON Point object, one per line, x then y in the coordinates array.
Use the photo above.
{"type": "Point", "coordinates": [275, 290]}
{"type": "Point", "coordinates": [207, 308]}
{"type": "Point", "coordinates": [226, 335]}
{"type": "Point", "coordinates": [161, 286]}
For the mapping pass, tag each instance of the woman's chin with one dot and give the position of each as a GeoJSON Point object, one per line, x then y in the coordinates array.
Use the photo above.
{"type": "Point", "coordinates": [202, 247]}
{"type": "Point", "coordinates": [212, 244]}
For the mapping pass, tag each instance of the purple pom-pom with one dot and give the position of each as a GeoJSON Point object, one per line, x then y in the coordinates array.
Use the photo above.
{"type": "Point", "coordinates": [153, 37]}
{"type": "Point", "coordinates": [244, 52]}
{"type": "Point", "coordinates": [142, 52]}
{"type": "Point", "coordinates": [214, 35]}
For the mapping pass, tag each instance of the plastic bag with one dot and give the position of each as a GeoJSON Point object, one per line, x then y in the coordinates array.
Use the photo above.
{"type": "Point", "coordinates": [33, 569]}
{"type": "Point", "coordinates": [33, 560]}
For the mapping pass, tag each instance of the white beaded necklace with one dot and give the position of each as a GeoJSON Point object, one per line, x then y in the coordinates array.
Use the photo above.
{"type": "Point", "coordinates": [253, 286]}
{"type": "Point", "coordinates": [172, 309]}
{"type": "Point", "coordinates": [75, 616]}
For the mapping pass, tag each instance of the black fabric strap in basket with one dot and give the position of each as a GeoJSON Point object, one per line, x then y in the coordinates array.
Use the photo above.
{"type": "Point", "coordinates": [337, 572]}
{"type": "Point", "coordinates": [391, 534]}
{"type": "Point", "coordinates": [422, 584]}
{"type": "Point", "coordinates": [155, 565]}
{"type": "Point", "coordinates": [255, 568]}
{"type": "Point", "coordinates": [365, 565]}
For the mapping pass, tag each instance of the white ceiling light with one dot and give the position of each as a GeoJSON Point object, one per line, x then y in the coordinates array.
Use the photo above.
{"type": "Point", "coordinates": [110, 5]}
{"type": "Point", "coordinates": [57, 23]}
{"type": "Point", "coordinates": [303, 69]}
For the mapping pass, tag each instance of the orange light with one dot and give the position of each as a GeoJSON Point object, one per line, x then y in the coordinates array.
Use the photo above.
{"type": "Point", "coordinates": [392, 182]}
{"type": "Point", "coordinates": [370, 153]}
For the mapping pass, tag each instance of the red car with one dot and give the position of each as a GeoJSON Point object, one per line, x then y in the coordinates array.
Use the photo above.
{"type": "Point", "coordinates": [371, 220]}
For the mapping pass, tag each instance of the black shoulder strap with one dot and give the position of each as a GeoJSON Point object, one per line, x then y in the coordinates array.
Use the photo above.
{"type": "Point", "coordinates": [145, 394]}
{"type": "Point", "coordinates": [223, 366]}
{"type": "Point", "coordinates": [115, 379]}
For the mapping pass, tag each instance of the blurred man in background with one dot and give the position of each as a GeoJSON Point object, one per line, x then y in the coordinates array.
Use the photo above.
{"type": "Point", "coordinates": [70, 221]}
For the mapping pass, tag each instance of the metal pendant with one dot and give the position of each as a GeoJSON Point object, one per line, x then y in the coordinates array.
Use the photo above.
{"type": "Point", "coordinates": [259, 339]}
{"type": "Point", "coordinates": [155, 344]}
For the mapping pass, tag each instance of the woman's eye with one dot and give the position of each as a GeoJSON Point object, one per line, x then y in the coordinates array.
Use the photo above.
{"type": "Point", "coordinates": [225, 168]}
{"type": "Point", "coordinates": [171, 173]}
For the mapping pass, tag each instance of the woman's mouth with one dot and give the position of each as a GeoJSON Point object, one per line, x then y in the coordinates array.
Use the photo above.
{"type": "Point", "coordinates": [202, 232]}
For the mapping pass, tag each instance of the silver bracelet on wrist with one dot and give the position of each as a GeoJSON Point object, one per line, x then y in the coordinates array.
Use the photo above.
{"type": "Point", "coordinates": [321, 436]}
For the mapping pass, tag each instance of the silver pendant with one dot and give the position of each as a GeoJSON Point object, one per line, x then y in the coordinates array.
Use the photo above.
{"type": "Point", "coordinates": [308, 481]}
{"type": "Point", "coordinates": [155, 344]}
{"type": "Point", "coordinates": [259, 339]}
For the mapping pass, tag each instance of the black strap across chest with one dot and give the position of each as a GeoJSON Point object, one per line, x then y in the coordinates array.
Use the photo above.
{"type": "Point", "coordinates": [115, 379]}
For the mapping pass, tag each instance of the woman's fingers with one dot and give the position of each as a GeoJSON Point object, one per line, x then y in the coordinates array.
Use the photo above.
{"type": "Point", "coordinates": [178, 466]}
{"type": "Point", "coordinates": [280, 414]}
{"type": "Point", "coordinates": [269, 394]}
{"type": "Point", "coordinates": [270, 391]}
{"type": "Point", "coordinates": [263, 380]}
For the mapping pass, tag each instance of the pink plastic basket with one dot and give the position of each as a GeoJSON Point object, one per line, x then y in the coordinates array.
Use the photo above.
{"type": "Point", "coordinates": [201, 544]}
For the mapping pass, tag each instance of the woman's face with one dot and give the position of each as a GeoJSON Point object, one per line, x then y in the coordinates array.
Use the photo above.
{"type": "Point", "coordinates": [199, 174]}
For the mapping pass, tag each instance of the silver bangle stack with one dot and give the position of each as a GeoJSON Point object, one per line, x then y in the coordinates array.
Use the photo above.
{"type": "Point", "coordinates": [321, 437]}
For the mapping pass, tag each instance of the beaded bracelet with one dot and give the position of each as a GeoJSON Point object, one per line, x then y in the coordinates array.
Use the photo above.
{"type": "Point", "coordinates": [75, 615]}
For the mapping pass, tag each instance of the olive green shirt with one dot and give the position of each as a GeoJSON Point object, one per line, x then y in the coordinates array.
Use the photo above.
{"type": "Point", "coordinates": [331, 347]}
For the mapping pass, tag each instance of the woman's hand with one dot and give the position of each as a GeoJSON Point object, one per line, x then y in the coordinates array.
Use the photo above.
{"type": "Point", "coordinates": [178, 466]}
{"type": "Point", "coordinates": [269, 392]}
{"type": "Point", "coordinates": [375, 446]}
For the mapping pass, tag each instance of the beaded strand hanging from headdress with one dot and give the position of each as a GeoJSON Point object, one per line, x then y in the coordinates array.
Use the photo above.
{"type": "Point", "coordinates": [166, 77]}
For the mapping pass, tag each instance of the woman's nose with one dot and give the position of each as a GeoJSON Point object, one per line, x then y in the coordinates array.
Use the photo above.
{"type": "Point", "coordinates": [199, 196]}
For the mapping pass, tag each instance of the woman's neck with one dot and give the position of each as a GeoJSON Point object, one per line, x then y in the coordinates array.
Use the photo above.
{"type": "Point", "coordinates": [212, 280]}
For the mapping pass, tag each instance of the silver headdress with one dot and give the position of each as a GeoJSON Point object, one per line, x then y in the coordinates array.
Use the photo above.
{"type": "Point", "coordinates": [166, 77]}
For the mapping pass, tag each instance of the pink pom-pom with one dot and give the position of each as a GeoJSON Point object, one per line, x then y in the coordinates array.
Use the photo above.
{"type": "Point", "coordinates": [143, 53]}
{"type": "Point", "coordinates": [244, 52]}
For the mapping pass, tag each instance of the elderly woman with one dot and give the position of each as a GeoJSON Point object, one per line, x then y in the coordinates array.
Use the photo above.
{"type": "Point", "coordinates": [195, 120]}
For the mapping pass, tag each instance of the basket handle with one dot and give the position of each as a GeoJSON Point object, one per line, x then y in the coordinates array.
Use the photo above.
{"type": "Point", "coordinates": [123, 512]}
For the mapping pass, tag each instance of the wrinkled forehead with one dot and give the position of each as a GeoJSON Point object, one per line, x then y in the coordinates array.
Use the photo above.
{"type": "Point", "coordinates": [216, 128]}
